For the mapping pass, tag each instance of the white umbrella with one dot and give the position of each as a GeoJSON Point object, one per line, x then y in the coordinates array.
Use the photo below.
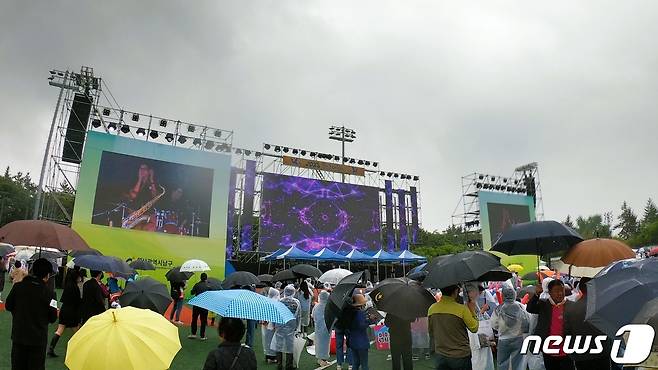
{"type": "Point", "coordinates": [194, 266]}
{"type": "Point", "coordinates": [334, 276]}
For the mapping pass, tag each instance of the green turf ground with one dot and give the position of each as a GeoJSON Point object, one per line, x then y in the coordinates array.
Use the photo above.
{"type": "Point", "coordinates": [191, 356]}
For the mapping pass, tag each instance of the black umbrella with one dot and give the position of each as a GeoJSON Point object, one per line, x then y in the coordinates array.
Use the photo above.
{"type": "Point", "coordinates": [620, 297]}
{"type": "Point", "coordinates": [284, 276]}
{"type": "Point", "coordinates": [389, 295]}
{"type": "Point", "coordinates": [418, 275]}
{"type": "Point", "coordinates": [5, 249]}
{"type": "Point", "coordinates": [435, 261]}
{"type": "Point", "coordinates": [239, 279]}
{"type": "Point", "coordinates": [305, 270]}
{"type": "Point", "coordinates": [536, 237]}
{"type": "Point", "coordinates": [88, 252]}
{"type": "Point", "coordinates": [265, 278]}
{"type": "Point", "coordinates": [341, 297]}
{"type": "Point", "coordinates": [49, 255]}
{"type": "Point", "coordinates": [529, 289]}
{"type": "Point", "coordinates": [176, 275]}
{"type": "Point", "coordinates": [140, 264]}
{"type": "Point", "coordinates": [146, 293]}
{"type": "Point", "coordinates": [104, 263]}
{"type": "Point", "coordinates": [214, 284]}
{"type": "Point", "coordinates": [466, 266]}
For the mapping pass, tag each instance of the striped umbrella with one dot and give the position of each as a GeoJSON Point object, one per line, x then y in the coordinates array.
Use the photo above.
{"type": "Point", "coordinates": [243, 304]}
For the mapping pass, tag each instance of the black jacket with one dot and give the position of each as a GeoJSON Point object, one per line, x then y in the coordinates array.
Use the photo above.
{"type": "Point", "coordinates": [544, 309]}
{"type": "Point", "coordinates": [221, 358]}
{"type": "Point", "coordinates": [200, 287]}
{"type": "Point", "coordinates": [93, 300]}
{"type": "Point", "coordinates": [574, 324]}
{"type": "Point", "coordinates": [399, 330]}
{"type": "Point", "coordinates": [29, 304]}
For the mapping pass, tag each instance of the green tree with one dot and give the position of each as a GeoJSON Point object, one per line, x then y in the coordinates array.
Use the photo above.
{"type": "Point", "coordinates": [628, 225]}
{"type": "Point", "coordinates": [17, 194]}
{"type": "Point", "coordinates": [569, 222]}
{"type": "Point", "coordinates": [593, 227]}
{"type": "Point", "coordinates": [650, 213]}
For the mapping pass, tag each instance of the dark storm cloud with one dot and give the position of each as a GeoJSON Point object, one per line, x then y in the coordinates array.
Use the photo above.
{"type": "Point", "coordinates": [436, 89]}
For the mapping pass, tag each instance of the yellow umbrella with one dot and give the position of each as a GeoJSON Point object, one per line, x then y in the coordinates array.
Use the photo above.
{"type": "Point", "coordinates": [125, 338]}
{"type": "Point", "coordinates": [515, 267]}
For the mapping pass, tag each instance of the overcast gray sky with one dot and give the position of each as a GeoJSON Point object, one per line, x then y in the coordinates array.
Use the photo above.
{"type": "Point", "coordinates": [434, 88]}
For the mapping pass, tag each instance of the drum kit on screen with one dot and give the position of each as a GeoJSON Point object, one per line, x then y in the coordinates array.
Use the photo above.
{"type": "Point", "coordinates": [152, 219]}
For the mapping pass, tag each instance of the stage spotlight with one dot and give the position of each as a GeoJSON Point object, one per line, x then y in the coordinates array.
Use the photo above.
{"type": "Point", "coordinates": [352, 160]}
{"type": "Point", "coordinates": [238, 151]}
{"type": "Point", "coordinates": [493, 178]}
{"type": "Point", "coordinates": [182, 139]}
{"type": "Point", "coordinates": [295, 151]}
{"type": "Point", "coordinates": [485, 186]}
{"type": "Point", "coordinates": [497, 187]}
{"type": "Point", "coordinates": [481, 177]}
{"type": "Point", "coordinates": [196, 141]}
{"type": "Point", "coordinates": [389, 174]}
{"type": "Point", "coordinates": [218, 133]}
{"type": "Point", "coordinates": [96, 123]}
{"type": "Point", "coordinates": [106, 112]}
{"type": "Point", "coordinates": [112, 126]}
{"type": "Point", "coordinates": [367, 163]}
{"type": "Point", "coordinates": [516, 182]}
{"type": "Point", "coordinates": [247, 152]}
{"type": "Point", "coordinates": [125, 129]}
{"type": "Point", "coordinates": [396, 175]}
{"type": "Point", "coordinates": [382, 173]}
{"type": "Point", "coordinates": [141, 132]}
{"type": "Point", "coordinates": [163, 123]}
{"type": "Point", "coordinates": [258, 154]}
{"type": "Point", "coordinates": [360, 162]}
{"type": "Point", "coordinates": [286, 150]}
{"type": "Point", "coordinates": [478, 185]}
{"type": "Point", "coordinates": [169, 137]}
{"type": "Point", "coordinates": [190, 128]}
{"type": "Point", "coordinates": [209, 144]}
{"type": "Point", "coordinates": [135, 117]}
{"type": "Point", "coordinates": [345, 159]}
{"type": "Point", "coordinates": [409, 177]}
{"type": "Point", "coordinates": [277, 148]}
{"type": "Point", "coordinates": [336, 158]}
{"type": "Point", "coordinates": [153, 134]}
{"type": "Point", "coordinates": [313, 154]}
{"type": "Point", "coordinates": [267, 146]}
{"type": "Point", "coordinates": [505, 181]}
{"type": "Point", "coordinates": [416, 178]}
{"type": "Point", "coordinates": [303, 153]}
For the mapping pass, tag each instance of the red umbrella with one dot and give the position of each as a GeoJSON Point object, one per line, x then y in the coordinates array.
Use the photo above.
{"type": "Point", "coordinates": [653, 251]}
{"type": "Point", "coordinates": [40, 233]}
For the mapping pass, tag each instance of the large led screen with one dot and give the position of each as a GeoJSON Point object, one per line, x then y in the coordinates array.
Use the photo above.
{"type": "Point", "coordinates": [499, 211]}
{"type": "Point", "coordinates": [157, 202]}
{"type": "Point", "coordinates": [313, 214]}
{"type": "Point", "coordinates": [152, 195]}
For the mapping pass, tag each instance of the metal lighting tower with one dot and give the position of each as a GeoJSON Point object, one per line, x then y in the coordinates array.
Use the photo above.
{"type": "Point", "coordinates": [342, 134]}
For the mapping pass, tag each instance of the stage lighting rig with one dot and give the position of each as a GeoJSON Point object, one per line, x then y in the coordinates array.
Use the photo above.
{"type": "Point", "coordinates": [344, 135]}
{"type": "Point", "coordinates": [96, 123]}
{"type": "Point", "coordinates": [112, 126]}
{"type": "Point", "coordinates": [140, 132]}
{"type": "Point", "coordinates": [218, 133]}
{"type": "Point", "coordinates": [209, 144]}
{"type": "Point", "coordinates": [135, 117]}
{"type": "Point", "coordinates": [169, 137]}
{"type": "Point", "coordinates": [191, 128]}
{"type": "Point", "coordinates": [196, 141]}
{"type": "Point", "coordinates": [267, 146]}
{"type": "Point", "coordinates": [163, 123]}
{"type": "Point", "coordinates": [153, 134]}
{"type": "Point", "coordinates": [182, 139]}
{"type": "Point", "coordinates": [125, 129]}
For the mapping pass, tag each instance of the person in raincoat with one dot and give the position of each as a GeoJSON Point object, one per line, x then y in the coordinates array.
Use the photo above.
{"type": "Point", "coordinates": [268, 331]}
{"type": "Point", "coordinates": [322, 335]}
{"type": "Point", "coordinates": [482, 357]}
{"type": "Point", "coordinates": [305, 297]}
{"type": "Point", "coordinates": [512, 323]}
{"type": "Point", "coordinates": [284, 334]}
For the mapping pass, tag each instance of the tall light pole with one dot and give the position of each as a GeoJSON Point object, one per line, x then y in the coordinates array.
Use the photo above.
{"type": "Point", "coordinates": [344, 135]}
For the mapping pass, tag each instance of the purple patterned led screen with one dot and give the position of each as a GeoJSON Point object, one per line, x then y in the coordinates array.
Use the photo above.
{"type": "Point", "coordinates": [313, 214]}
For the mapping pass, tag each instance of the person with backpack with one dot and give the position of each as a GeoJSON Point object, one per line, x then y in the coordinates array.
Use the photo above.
{"type": "Point", "coordinates": [198, 312]}
{"type": "Point", "coordinates": [231, 354]}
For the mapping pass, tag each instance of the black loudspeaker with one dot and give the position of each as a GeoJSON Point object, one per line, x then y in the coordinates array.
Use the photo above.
{"type": "Point", "coordinates": [76, 129]}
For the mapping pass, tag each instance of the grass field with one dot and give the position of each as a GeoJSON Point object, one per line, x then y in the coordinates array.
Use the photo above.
{"type": "Point", "coordinates": [191, 356]}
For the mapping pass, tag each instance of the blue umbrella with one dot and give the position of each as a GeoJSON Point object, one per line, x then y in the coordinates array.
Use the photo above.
{"type": "Point", "coordinates": [243, 304]}
{"type": "Point", "coordinates": [617, 265]}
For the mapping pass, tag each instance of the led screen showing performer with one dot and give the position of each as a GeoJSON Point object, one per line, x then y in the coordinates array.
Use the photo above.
{"type": "Point", "coordinates": [151, 195]}
{"type": "Point", "coordinates": [313, 214]}
{"type": "Point", "coordinates": [503, 216]}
